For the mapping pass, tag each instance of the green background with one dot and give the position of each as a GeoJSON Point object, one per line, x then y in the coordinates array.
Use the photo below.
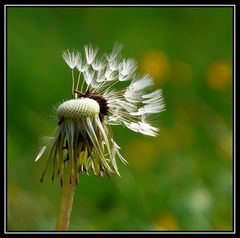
{"type": "Point", "coordinates": [180, 180]}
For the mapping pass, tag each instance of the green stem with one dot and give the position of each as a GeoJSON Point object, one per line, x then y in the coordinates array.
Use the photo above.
{"type": "Point", "coordinates": [65, 208]}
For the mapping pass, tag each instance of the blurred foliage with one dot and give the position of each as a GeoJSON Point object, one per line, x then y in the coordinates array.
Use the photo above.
{"type": "Point", "coordinates": [180, 180]}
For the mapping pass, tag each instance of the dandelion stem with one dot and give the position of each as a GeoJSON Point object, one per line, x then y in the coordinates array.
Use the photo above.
{"type": "Point", "coordinates": [78, 80]}
{"type": "Point", "coordinates": [65, 208]}
{"type": "Point", "coordinates": [72, 83]}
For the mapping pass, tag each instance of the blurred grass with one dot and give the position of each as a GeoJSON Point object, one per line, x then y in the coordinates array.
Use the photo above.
{"type": "Point", "coordinates": [180, 180]}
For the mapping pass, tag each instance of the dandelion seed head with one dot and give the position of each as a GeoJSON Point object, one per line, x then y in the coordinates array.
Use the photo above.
{"type": "Point", "coordinates": [83, 140]}
{"type": "Point", "coordinates": [75, 109]}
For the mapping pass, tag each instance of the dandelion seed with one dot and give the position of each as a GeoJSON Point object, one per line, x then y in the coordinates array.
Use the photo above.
{"type": "Point", "coordinates": [83, 140]}
{"type": "Point", "coordinates": [71, 58]}
{"type": "Point", "coordinates": [90, 53]}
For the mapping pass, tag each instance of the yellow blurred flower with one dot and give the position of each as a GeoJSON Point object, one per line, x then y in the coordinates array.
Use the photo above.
{"type": "Point", "coordinates": [224, 226]}
{"type": "Point", "coordinates": [224, 148]}
{"type": "Point", "coordinates": [156, 63]}
{"type": "Point", "coordinates": [166, 222]}
{"type": "Point", "coordinates": [219, 75]}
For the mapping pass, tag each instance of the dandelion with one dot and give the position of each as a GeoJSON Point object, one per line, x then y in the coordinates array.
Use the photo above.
{"type": "Point", "coordinates": [83, 140]}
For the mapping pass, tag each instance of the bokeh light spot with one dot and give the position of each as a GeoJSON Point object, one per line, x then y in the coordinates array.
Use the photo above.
{"type": "Point", "coordinates": [200, 200]}
{"type": "Point", "coordinates": [219, 75]}
{"type": "Point", "coordinates": [224, 148]}
{"type": "Point", "coordinates": [167, 221]}
{"type": "Point", "coordinates": [156, 64]}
